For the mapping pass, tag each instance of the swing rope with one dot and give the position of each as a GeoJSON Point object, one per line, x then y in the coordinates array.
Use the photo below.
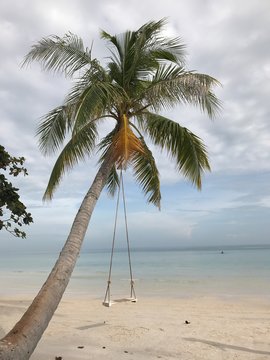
{"type": "Point", "coordinates": [108, 290]}
{"type": "Point", "coordinates": [132, 291]}
{"type": "Point", "coordinates": [107, 299]}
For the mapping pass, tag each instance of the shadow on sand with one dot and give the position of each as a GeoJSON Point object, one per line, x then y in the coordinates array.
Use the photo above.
{"type": "Point", "coordinates": [86, 327]}
{"type": "Point", "coordinates": [224, 347]}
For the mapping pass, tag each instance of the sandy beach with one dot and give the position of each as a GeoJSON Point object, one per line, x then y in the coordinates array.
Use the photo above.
{"type": "Point", "coordinates": [152, 328]}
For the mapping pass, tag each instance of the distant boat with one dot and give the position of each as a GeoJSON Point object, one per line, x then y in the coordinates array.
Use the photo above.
{"type": "Point", "coordinates": [222, 252]}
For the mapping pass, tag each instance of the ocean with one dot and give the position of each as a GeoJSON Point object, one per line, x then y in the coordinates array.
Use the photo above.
{"type": "Point", "coordinates": [210, 271]}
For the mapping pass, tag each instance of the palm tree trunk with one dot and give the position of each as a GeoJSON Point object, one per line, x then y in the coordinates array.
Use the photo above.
{"type": "Point", "coordinates": [22, 340]}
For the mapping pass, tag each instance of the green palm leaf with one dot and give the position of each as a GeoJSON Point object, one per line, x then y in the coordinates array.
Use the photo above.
{"type": "Point", "coordinates": [78, 148]}
{"type": "Point", "coordinates": [104, 148]}
{"type": "Point", "coordinates": [172, 85]}
{"type": "Point", "coordinates": [159, 47]}
{"type": "Point", "coordinates": [113, 182]}
{"type": "Point", "coordinates": [136, 54]}
{"type": "Point", "coordinates": [147, 175]}
{"type": "Point", "coordinates": [54, 127]}
{"type": "Point", "coordinates": [93, 103]}
{"type": "Point", "coordinates": [186, 148]}
{"type": "Point", "coordinates": [106, 143]}
{"type": "Point", "coordinates": [66, 54]}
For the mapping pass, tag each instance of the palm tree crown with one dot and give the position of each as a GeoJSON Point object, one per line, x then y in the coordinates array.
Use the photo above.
{"type": "Point", "coordinates": [144, 74]}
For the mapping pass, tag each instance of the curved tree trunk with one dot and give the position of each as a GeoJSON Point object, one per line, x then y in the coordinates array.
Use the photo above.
{"type": "Point", "coordinates": [22, 340]}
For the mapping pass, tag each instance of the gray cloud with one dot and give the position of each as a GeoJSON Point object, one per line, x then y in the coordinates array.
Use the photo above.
{"type": "Point", "coordinates": [226, 39]}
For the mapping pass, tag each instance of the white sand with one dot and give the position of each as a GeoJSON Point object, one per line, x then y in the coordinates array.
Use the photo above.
{"type": "Point", "coordinates": [151, 329]}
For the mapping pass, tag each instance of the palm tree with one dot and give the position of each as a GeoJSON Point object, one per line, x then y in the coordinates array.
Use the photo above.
{"type": "Point", "coordinates": [144, 74]}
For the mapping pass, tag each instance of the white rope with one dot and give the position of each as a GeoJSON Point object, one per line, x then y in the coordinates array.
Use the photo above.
{"type": "Point", "coordinates": [107, 299]}
{"type": "Point", "coordinates": [132, 291]}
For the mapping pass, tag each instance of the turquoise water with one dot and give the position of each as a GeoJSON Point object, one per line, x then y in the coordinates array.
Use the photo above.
{"type": "Point", "coordinates": [239, 271]}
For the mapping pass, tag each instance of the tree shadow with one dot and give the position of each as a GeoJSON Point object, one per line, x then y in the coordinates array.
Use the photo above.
{"type": "Point", "coordinates": [223, 346]}
{"type": "Point", "coordinates": [86, 327]}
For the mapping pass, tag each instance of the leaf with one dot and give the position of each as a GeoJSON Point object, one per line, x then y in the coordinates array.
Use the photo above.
{"type": "Point", "coordinates": [147, 175]}
{"type": "Point", "coordinates": [185, 147]}
{"type": "Point", "coordinates": [78, 148]}
{"type": "Point", "coordinates": [66, 54]}
{"type": "Point", "coordinates": [112, 182]}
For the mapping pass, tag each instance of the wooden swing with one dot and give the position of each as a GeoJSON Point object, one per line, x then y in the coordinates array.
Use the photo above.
{"type": "Point", "coordinates": [107, 300]}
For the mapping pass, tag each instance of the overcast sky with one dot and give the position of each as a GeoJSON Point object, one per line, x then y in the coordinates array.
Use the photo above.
{"type": "Point", "coordinates": [227, 39]}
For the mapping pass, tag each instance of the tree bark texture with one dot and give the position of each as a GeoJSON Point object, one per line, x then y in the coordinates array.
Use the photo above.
{"type": "Point", "coordinates": [21, 341]}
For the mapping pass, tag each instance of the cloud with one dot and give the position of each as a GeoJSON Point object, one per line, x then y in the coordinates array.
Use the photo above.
{"type": "Point", "coordinates": [265, 201]}
{"type": "Point", "coordinates": [226, 39]}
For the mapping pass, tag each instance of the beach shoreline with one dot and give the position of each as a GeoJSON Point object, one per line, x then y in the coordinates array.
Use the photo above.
{"type": "Point", "coordinates": [189, 328]}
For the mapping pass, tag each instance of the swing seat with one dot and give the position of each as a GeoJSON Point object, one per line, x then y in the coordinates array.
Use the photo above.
{"type": "Point", "coordinates": [110, 303]}
{"type": "Point", "coordinates": [134, 300]}
{"type": "Point", "coordinates": [130, 299]}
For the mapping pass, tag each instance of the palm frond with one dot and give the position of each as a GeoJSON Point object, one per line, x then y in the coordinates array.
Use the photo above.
{"type": "Point", "coordinates": [115, 43]}
{"type": "Point", "coordinates": [159, 47]}
{"type": "Point", "coordinates": [106, 143]}
{"type": "Point", "coordinates": [112, 182]}
{"type": "Point", "coordinates": [147, 175]}
{"type": "Point", "coordinates": [163, 89]}
{"type": "Point", "coordinates": [172, 85]}
{"type": "Point", "coordinates": [104, 147]}
{"type": "Point", "coordinates": [53, 128]}
{"type": "Point", "coordinates": [186, 148]}
{"type": "Point", "coordinates": [199, 90]}
{"type": "Point", "coordinates": [94, 95]}
{"type": "Point", "coordinates": [135, 54]}
{"type": "Point", "coordinates": [78, 148]}
{"type": "Point", "coordinates": [122, 56]}
{"type": "Point", "coordinates": [66, 54]}
{"type": "Point", "coordinates": [92, 103]}
{"type": "Point", "coordinates": [83, 105]}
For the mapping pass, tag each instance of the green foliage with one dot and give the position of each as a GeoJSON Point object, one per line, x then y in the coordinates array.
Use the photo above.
{"type": "Point", "coordinates": [144, 74]}
{"type": "Point", "coordinates": [11, 207]}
